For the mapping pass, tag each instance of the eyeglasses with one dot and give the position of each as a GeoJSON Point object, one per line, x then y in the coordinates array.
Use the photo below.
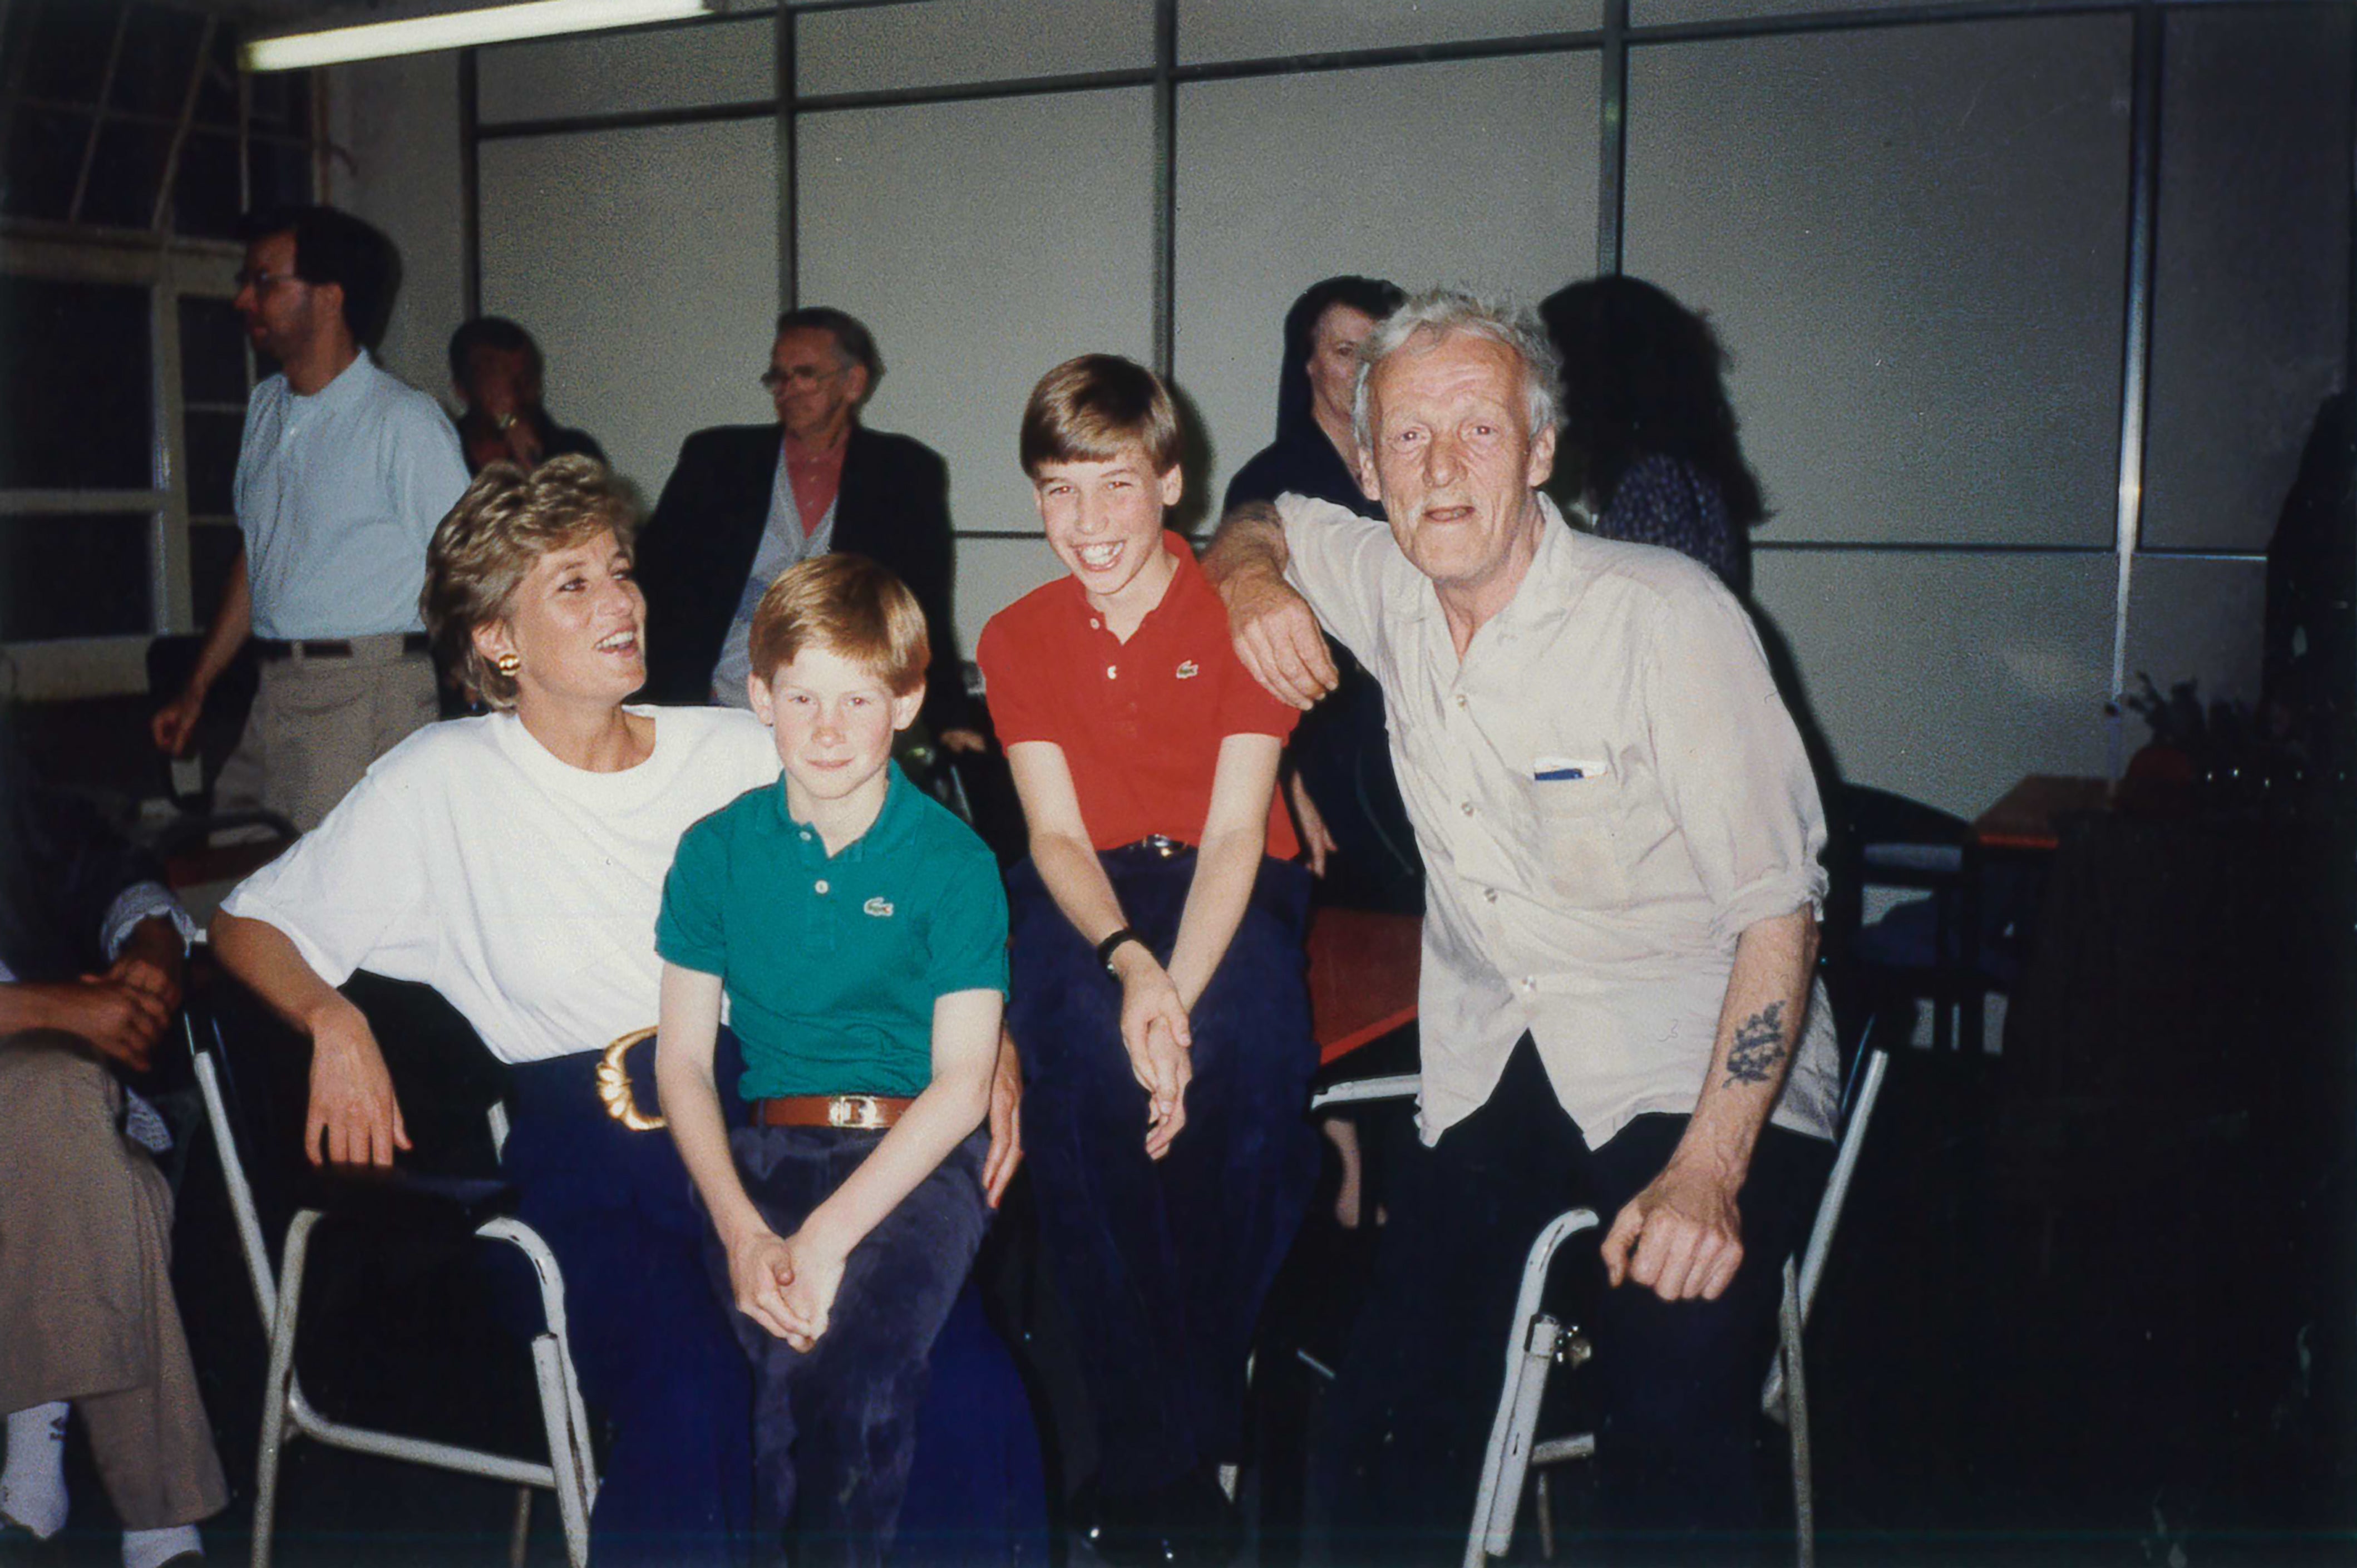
{"type": "Point", "coordinates": [799, 376]}
{"type": "Point", "coordinates": [262, 282]}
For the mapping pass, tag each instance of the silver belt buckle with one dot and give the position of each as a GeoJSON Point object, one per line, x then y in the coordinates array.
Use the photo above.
{"type": "Point", "coordinates": [855, 1112]}
{"type": "Point", "coordinates": [1162, 844]}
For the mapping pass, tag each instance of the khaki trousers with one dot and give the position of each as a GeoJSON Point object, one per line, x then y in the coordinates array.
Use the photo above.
{"type": "Point", "coordinates": [86, 1307]}
{"type": "Point", "coordinates": [318, 723]}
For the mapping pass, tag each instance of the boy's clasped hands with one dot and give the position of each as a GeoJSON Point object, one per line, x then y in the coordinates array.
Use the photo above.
{"type": "Point", "coordinates": [786, 1284]}
{"type": "Point", "coordinates": [1155, 1031]}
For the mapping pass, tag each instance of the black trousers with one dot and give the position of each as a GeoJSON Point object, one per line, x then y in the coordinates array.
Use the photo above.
{"type": "Point", "coordinates": [1164, 1264]}
{"type": "Point", "coordinates": [1397, 1452]}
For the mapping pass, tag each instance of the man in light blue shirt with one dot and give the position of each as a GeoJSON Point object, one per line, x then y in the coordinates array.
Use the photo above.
{"type": "Point", "coordinates": [343, 474]}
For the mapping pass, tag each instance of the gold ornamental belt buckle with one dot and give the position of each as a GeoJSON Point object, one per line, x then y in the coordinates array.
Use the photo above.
{"type": "Point", "coordinates": [614, 1084]}
{"type": "Point", "coordinates": [856, 1112]}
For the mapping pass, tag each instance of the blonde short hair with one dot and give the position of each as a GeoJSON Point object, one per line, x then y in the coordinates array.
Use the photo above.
{"type": "Point", "coordinates": [851, 607]}
{"type": "Point", "coordinates": [1087, 410]}
{"type": "Point", "coordinates": [489, 543]}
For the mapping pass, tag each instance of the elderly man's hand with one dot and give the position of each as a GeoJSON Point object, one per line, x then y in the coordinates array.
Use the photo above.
{"type": "Point", "coordinates": [1278, 637]}
{"type": "Point", "coordinates": [1682, 1237]}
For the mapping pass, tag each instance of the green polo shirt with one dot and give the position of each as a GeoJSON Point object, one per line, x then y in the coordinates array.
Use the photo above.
{"type": "Point", "coordinates": [832, 963]}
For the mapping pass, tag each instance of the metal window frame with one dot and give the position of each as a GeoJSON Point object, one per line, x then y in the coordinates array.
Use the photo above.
{"type": "Point", "coordinates": [1611, 41]}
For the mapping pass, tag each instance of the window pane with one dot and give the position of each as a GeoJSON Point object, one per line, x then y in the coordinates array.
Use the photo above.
{"type": "Point", "coordinates": [217, 97]}
{"type": "Point", "coordinates": [213, 351]}
{"type": "Point", "coordinates": [70, 40]}
{"type": "Point", "coordinates": [73, 577]}
{"type": "Point", "coordinates": [151, 77]}
{"type": "Point", "coordinates": [212, 461]}
{"type": "Point", "coordinates": [282, 103]}
{"type": "Point", "coordinates": [75, 381]}
{"type": "Point", "coordinates": [122, 179]}
{"type": "Point", "coordinates": [213, 547]}
{"type": "Point", "coordinates": [281, 172]}
{"type": "Point", "coordinates": [204, 192]}
{"type": "Point", "coordinates": [45, 148]}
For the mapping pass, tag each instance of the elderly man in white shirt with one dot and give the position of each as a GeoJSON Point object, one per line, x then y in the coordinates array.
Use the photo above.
{"type": "Point", "coordinates": [1621, 837]}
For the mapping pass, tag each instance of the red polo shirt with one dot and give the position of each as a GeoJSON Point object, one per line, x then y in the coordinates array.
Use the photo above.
{"type": "Point", "coordinates": [1140, 722]}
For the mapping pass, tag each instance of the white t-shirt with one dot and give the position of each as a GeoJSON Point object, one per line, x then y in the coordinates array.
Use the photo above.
{"type": "Point", "coordinates": [522, 889]}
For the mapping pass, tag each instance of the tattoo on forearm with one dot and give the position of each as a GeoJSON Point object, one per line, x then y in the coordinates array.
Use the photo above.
{"type": "Point", "coordinates": [1758, 1046]}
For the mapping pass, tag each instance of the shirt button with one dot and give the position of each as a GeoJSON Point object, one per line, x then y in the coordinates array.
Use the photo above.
{"type": "Point", "coordinates": [820, 886]}
{"type": "Point", "coordinates": [805, 835]}
{"type": "Point", "coordinates": [1466, 808]}
{"type": "Point", "coordinates": [1530, 982]}
{"type": "Point", "coordinates": [1461, 699]}
{"type": "Point", "coordinates": [1491, 894]}
{"type": "Point", "coordinates": [1112, 671]}
{"type": "Point", "coordinates": [1095, 625]}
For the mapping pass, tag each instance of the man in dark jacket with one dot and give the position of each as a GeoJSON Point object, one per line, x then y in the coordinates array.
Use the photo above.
{"type": "Point", "coordinates": [746, 501]}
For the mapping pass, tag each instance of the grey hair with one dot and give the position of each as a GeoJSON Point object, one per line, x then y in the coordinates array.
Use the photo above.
{"type": "Point", "coordinates": [1442, 311]}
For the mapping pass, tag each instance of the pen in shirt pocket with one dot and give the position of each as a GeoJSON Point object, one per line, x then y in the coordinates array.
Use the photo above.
{"type": "Point", "coordinates": [1558, 769]}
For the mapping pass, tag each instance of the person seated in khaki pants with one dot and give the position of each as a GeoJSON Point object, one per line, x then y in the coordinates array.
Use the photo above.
{"type": "Point", "coordinates": [90, 948]}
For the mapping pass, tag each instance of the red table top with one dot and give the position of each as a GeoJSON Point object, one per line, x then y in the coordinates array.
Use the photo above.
{"type": "Point", "coordinates": [1362, 976]}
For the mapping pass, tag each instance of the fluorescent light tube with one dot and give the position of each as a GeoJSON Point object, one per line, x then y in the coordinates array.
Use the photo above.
{"type": "Point", "coordinates": [459, 30]}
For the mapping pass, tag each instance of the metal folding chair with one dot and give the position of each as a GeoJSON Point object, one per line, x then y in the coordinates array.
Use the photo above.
{"type": "Point", "coordinates": [570, 1471]}
{"type": "Point", "coordinates": [1536, 1342]}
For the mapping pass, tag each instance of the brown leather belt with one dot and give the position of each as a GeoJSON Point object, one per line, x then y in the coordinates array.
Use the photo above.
{"type": "Point", "coordinates": [860, 1112]}
{"type": "Point", "coordinates": [267, 649]}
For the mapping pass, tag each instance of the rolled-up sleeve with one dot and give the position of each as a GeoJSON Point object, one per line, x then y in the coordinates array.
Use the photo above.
{"type": "Point", "coordinates": [1734, 772]}
{"type": "Point", "coordinates": [354, 892]}
{"type": "Point", "coordinates": [1338, 561]}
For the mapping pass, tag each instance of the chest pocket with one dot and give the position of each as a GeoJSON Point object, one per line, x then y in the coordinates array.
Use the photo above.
{"type": "Point", "coordinates": [1576, 801]}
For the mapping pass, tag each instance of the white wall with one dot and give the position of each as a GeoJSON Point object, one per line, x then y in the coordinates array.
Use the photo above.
{"type": "Point", "coordinates": [1912, 238]}
{"type": "Point", "coordinates": [395, 125]}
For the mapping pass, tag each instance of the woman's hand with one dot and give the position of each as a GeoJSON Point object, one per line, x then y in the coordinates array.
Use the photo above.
{"type": "Point", "coordinates": [354, 1118]}
{"type": "Point", "coordinates": [1155, 1031]}
{"type": "Point", "coordinates": [809, 1295]}
{"type": "Point", "coordinates": [760, 1268]}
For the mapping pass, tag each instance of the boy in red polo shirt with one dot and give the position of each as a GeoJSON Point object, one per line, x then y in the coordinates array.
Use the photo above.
{"type": "Point", "coordinates": [1158, 1000]}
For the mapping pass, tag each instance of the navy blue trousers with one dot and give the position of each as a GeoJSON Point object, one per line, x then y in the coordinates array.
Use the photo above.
{"type": "Point", "coordinates": [1164, 1264]}
{"type": "Point", "coordinates": [1397, 1452]}
{"type": "Point", "coordinates": [835, 1427]}
{"type": "Point", "coordinates": [656, 1360]}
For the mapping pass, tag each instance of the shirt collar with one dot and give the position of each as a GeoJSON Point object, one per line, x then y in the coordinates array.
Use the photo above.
{"type": "Point", "coordinates": [1188, 580]}
{"type": "Point", "coordinates": [1549, 584]}
{"type": "Point", "coordinates": [892, 826]}
{"type": "Point", "coordinates": [351, 384]}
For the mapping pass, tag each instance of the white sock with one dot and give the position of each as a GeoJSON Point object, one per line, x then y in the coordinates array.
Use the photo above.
{"type": "Point", "coordinates": [153, 1547]}
{"type": "Point", "coordinates": [33, 1483]}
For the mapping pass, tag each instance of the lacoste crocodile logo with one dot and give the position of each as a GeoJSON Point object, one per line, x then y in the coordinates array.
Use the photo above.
{"type": "Point", "coordinates": [877, 907]}
{"type": "Point", "coordinates": [1189, 671]}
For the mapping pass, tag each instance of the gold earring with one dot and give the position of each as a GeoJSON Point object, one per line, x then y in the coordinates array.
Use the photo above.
{"type": "Point", "coordinates": [507, 664]}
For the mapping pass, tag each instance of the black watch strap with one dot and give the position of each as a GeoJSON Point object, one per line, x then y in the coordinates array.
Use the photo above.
{"type": "Point", "coordinates": [1105, 948]}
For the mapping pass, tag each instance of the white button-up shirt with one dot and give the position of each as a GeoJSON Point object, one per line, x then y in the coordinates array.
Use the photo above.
{"type": "Point", "coordinates": [337, 494]}
{"type": "Point", "coordinates": [1607, 791]}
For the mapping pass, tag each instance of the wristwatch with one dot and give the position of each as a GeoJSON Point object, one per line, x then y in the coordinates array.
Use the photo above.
{"type": "Point", "coordinates": [1105, 948]}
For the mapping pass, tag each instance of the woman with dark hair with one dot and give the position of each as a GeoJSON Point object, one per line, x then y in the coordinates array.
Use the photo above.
{"type": "Point", "coordinates": [1339, 769]}
{"type": "Point", "coordinates": [1649, 445]}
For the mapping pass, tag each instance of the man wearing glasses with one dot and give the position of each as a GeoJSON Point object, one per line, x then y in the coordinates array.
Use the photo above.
{"type": "Point", "coordinates": [343, 473]}
{"type": "Point", "coordinates": [746, 501]}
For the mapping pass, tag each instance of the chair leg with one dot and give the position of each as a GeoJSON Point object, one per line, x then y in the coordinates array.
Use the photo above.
{"type": "Point", "coordinates": [280, 1382]}
{"type": "Point", "coordinates": [568, 1449]}
{"type": "Point", "coordinates": [1796, 1408]}
{"type": "Point", "coordinates": [1546, 1518]}
{"type": "Point", "coordinates": [1529, 1353]}
{"type": "Point", "coordinates": [520, 1534]}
